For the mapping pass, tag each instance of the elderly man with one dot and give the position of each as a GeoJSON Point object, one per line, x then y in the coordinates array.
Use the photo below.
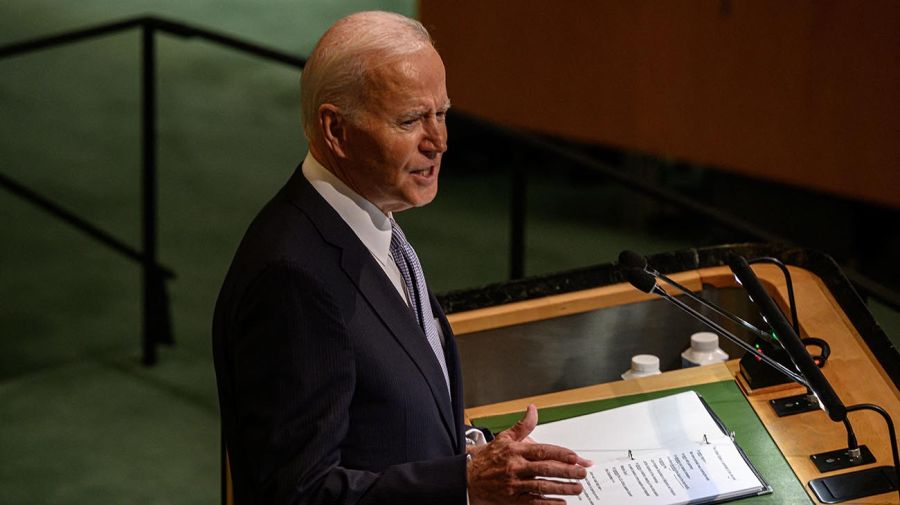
{"type": "Point", "coordinates": [338, 374]}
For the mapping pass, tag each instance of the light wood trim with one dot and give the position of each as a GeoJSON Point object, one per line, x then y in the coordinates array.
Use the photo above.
{"type": "Point", "coordinates": [677, 378]}
{"type": "Point", "coordinates": [853, 371]}
{"type": "Point", "coordinates": [557, 305]}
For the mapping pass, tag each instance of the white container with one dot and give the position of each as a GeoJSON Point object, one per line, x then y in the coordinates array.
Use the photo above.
{"type": "Point", "coordinates": [704, 350]}
{"type": "Point", "coordinates": [642, 365]}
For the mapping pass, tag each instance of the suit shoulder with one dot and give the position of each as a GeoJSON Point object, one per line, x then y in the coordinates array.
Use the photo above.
{"type": "Point", "coordinates": [282, 232]}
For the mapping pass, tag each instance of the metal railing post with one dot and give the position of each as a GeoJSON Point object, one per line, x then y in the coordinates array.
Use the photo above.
{"type": "Point", "coordinates": [156, 325]}
{"type": "Point", "coordinates": [518, 190]}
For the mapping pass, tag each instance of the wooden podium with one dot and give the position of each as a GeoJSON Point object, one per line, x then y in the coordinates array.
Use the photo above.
{"type": "Point", "coordinates": [862, 367]}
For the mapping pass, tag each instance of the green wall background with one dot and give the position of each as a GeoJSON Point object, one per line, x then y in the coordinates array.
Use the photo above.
{"type": "Point", "coordinates": [81, 421]}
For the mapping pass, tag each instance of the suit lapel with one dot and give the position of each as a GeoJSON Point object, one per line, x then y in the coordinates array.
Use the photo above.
{"type": "Point", "coordinates": [377, 289]}
{"type": "Point", "coordinates": [451, 354]}
{"type": "Point", "coordinates": [395, 314]}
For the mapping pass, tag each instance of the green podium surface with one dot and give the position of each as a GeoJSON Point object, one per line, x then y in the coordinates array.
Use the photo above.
{"type": "Point", "coordinates": [727, 401]}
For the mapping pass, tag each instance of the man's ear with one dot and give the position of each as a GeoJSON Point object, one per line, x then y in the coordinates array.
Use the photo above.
{"type": "Point", "coordinates": [334, 128]}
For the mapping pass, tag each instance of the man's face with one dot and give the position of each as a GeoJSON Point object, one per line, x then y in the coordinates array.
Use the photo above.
{"type": "Point", "coordinates": [392, 150]}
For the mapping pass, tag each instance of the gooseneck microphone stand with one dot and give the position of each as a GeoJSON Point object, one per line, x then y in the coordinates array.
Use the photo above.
{"type": "Point", "coordinates": [832, 489]}
{"type": "Point", "coordinates": [846, 486]}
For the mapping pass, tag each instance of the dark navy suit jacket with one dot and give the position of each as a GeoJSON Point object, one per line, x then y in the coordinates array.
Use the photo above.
{"type": "Point", "coordinates": [328, 389]}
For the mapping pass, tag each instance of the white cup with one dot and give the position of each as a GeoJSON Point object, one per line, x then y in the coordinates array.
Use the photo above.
{"type": "Point", "coordinates": [704, 350]}
{"type": "Point", "coordinates": [642, 365]}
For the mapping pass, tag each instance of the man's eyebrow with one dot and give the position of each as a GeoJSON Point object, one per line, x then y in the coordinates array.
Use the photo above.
{"type": "Point", "coordinates": [413, 114]}
{"type": "Point", "coordinates": [424, 111]}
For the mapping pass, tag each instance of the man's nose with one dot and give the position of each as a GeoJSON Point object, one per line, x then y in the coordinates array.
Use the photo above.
{"type": "Point", "coordinates": [435, 140]}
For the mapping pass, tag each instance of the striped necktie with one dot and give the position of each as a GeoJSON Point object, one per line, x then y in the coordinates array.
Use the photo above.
{"type": "Point", "coordinates": [414, 278]}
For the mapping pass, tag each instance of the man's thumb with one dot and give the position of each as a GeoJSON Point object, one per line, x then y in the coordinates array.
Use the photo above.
{"type": "Point", "coordinates": [523, 427]}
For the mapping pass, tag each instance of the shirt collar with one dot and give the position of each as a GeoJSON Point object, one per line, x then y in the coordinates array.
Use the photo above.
{"type": "Point", "coordinates": [366, 220]}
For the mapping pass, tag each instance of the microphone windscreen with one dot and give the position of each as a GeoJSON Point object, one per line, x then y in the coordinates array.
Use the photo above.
{"type": "Point", "coordinates": [631, 259]}
{"type": "Point", "coordinates": [737, 263]}
{"type": "Point", "coordinates": [640, 279]}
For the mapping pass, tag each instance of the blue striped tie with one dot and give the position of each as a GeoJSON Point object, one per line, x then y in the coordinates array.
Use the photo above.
{"type": "Point", "coordinates": [411, 270]}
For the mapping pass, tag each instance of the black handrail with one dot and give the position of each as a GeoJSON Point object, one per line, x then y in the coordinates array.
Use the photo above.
{"type": "Point", "coordinates": [156, 317]}
{"type": "Point", "coordinates": [27, 46]}
{"type": "Point", "coordinates": [157, 24]}
{"type": "Point", "coordinates": [69, 217]}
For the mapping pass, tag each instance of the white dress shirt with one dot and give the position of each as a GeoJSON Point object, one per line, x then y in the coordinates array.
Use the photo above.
{"type": "Point", "coordinates": [372, 226]}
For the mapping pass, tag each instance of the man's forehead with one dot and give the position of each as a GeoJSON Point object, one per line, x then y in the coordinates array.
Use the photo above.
{"type": "Point", "coordinates": [408, 79]}
{"type": "Point", "coordinates": [405, 67]}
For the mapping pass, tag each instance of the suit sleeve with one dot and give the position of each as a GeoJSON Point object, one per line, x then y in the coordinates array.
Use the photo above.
{"type": "Point", "coordinates": [294, 377]}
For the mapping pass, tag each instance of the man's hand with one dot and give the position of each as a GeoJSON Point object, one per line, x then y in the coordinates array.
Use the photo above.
{"type": "Point", "coordinates": [514, 469]}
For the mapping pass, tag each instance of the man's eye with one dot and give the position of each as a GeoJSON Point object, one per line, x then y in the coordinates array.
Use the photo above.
{"type": "Point", "coordinates": [441, 115]}
{"type": "Point", "coordinates": [406, 123]}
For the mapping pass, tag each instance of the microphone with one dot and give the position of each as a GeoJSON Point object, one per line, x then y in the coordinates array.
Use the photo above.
{"type": "Point", "coordinates": [789, 339]}
{"type": "Point", "coordinates": [646, 282]}
{"type": "Point", "coordinates": [643, 280]}
{"type": "Point", "coordinates": [632, 260]}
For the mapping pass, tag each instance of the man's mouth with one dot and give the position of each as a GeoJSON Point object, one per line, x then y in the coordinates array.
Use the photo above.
{"type": "Point", "coordinates": [424, 172]}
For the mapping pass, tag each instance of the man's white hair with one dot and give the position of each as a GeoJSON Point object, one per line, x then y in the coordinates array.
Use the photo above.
{"type": "Point", "coordinates": [336, 70]}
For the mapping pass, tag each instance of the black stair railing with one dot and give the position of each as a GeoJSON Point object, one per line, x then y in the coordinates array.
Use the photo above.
{"type": "Point", "coordinates": [156, 327]}
{"type": "Point", "coordinates": [156, 317]}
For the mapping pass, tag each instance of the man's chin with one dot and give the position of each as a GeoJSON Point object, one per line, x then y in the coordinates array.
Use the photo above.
{"type": "Point", "coordinates": [420, 199]}
{"type": "Point", "coordinates": [425, 199]}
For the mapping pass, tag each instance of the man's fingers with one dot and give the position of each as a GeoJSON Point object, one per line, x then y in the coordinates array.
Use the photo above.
{"type": "Point", "coordinates": [523, 427]}
{"type": "Point", "coordinates": [552, 469]}
{"type": "Point", "coordinates": [544, 500]}
{"type": "Point", "coordinates": [512, 471]}
{"type": "Point", "coordinates": [584, 462]}
{"type": "Point", "coordinates": [546, 486]}
{"type": "Point", "coordinates": [540, 452]}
